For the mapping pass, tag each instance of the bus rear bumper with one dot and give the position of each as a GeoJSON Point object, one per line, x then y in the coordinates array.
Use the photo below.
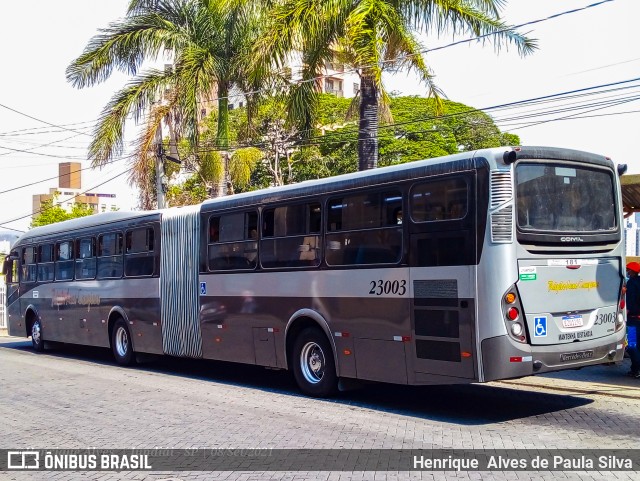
{"type": "Point", "coordinates": [502, 358]}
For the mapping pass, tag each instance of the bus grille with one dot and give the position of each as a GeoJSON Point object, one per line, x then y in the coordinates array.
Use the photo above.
{"type": "Point", "coordinates": [501, 188]}
{"type": "Point", "coordinates": [501, 225]}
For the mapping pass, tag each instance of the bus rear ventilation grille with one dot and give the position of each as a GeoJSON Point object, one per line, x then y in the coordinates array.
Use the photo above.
{"type": "Point", "coordinates": [501, 188]}
{"type": "Point", "coordinates": [502, 225]}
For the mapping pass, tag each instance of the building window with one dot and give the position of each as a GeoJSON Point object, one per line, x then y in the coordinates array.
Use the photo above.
{"type": "Point", "coordinates": [328, 85]}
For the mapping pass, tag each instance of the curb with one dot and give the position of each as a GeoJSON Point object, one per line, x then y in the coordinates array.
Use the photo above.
{"type": "Point", "coordinates": [610, 390]}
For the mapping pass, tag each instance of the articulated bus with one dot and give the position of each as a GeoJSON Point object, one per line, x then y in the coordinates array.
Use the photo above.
{"type": "Point", "coordinates": [479, 266]}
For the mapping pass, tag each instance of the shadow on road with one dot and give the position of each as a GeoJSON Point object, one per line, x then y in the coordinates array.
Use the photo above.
{"type": "Point", "coordinates": [470, 404]}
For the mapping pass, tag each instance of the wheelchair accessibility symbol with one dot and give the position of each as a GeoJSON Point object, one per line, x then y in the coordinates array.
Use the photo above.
{"type": "Point", "coordinates": [540, 329]}
{"type": "Point", "coordinates": [203, 288]}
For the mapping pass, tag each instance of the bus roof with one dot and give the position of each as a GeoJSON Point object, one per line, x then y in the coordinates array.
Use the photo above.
{"type": "Point", "coordinates": [439, 165]}
{"type": "Point", "coordinates": [398, 172]}
{"type": "Point", "coordinates": [84, 222]}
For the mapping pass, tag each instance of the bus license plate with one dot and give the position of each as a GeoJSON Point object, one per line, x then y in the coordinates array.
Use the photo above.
{"type": "Point", "coordinates": [572, 321]}
{"type": "Point", "coordinates": [576, 356]}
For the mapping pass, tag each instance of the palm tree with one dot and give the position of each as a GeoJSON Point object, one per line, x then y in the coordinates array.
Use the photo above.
{"type": "Point", "coordinates": [208, 41]}
{"type": "Point", "coordinates": [374, 35]}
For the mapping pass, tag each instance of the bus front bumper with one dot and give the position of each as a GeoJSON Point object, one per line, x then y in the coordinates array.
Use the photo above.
{"type": "Point", "coordinates": [502, 358]}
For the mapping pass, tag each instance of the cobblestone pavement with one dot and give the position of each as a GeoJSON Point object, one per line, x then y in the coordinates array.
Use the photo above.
{"type": "Point", "coordinates": [77, 398]}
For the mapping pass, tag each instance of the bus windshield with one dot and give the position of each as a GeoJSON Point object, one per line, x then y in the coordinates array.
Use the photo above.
{"type": "Point", "coordinates": [564, 198]}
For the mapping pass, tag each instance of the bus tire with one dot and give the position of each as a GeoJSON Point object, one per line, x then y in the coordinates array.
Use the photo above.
{"type": "Point", "coordinates": [314, 368]}
{"type": "Point", "coordinates": [37, 341]}
{"type": "Point", "coordinates": [121, 344]}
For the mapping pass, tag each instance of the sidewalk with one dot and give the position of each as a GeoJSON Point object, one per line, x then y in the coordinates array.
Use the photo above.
{"type": "Point", "coordinates": [605, 380]}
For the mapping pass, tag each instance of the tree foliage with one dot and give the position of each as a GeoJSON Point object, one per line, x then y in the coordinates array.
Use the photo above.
{"type": "Point", "coordinates": [50, 213]}
{"type": "Point", "coordinates": [208, 42]}
{"type": "Point", "coordinates": [418, 132]}
{"type": "Point", "coordinates": [370, 36]}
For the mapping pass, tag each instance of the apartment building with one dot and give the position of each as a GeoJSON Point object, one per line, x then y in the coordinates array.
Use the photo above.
{"type": "Point", "coordinates": [70, 192]}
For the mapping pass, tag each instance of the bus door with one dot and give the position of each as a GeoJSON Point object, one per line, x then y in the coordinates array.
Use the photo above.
{"type": "Point", "coordinates": [443, 317]}
{"type": "Point", "coordinates": [443, 264]}
{"type": "Point", "coordinates": [10, 271]}
{"type": "Point", "coordinates": [569, 300]}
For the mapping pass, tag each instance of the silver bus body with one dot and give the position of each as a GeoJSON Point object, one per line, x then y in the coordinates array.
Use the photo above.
{"type": "Point", "coordinates": [412, 274]}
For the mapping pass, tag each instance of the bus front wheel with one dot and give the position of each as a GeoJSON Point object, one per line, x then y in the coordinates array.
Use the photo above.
{"type": "Point", "coordinates": [36, 336]}
{"type": "Point", "coordinates": [314, 368]}
{"type": "Point", "coordinates": [121, 344]}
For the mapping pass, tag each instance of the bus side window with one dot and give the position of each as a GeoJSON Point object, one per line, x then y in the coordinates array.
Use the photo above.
{"type": "Point", "coordinates": [139, 258]}
{"type": "Point", "coordinates": [109, 256]}
{"type": "Point", "coordinates": [363, 229]}
{"type": "Point", "coordinates": [434, 204]}
{"type": "Point", "coordinates": [10, 267]}
{"type": "Point", "coordinates": [439, 200]}
{"type": "Point", "coordinates": [287, 236]}
{"type": "Point", "coordinates": [86, 258]}
{"type": "Point", "coordinates": [45, 263]}
{"type": "Point", "coordinates": [29, 267]}
{"type": "Point", "coordinates": [233, 241]}
{"type": "Point", "coordinates": [64, 261]}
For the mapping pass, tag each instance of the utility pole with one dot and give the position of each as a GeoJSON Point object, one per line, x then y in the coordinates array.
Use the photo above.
{"type": "Point", "coordinates": [159, 168]}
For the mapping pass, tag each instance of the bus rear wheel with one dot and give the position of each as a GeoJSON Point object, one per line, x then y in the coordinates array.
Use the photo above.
{"type": "Point", "coordinates": [121, 344]}
{"type": "Point", "coordinates": [36, 336]}
{"type": "Point", "coordinates": [314, 368]}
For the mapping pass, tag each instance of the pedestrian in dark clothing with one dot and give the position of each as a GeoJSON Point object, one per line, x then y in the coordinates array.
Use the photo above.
{"type": "Point", "coordinates": [633, 314]}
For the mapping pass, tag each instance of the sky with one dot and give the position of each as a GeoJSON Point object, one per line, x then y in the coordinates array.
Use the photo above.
{"type": "Point", "coordinates": [577, 51]}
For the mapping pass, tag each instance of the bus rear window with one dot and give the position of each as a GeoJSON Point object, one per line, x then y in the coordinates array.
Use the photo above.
{"type": "Point", "coordinates": [556, 197]}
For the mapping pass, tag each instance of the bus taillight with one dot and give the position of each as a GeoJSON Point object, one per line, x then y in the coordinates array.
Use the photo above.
{"type": "Point", "coordinates": [512, 315]}
{"type": "Point", "coordinates": [622, 303]}
{"type": "Point", "coordinates": [516, 329]}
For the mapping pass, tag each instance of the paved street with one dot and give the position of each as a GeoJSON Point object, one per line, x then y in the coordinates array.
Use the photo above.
{"type": "Point", "coordinates": [77, 398]}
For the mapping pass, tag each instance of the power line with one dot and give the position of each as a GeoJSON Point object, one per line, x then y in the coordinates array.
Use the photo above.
{"type": "Point", "coordinates": [39, 130]}
{"type": "Point", "coordinates": [578, 113]}
{"type": "Point", "coordinates": [626, 112]}
{"type": "Point", "coordinates": [3, 224]}
{"type": "Point", "coordinates": [57, 176]}
{"type": "Point", "coordinates": [422, 51]}
{"type": "Point", "coordinates": [42, 121]}
{"type": "Point", "coordinates": [576, 93]}
{"type": "Point", "coordinates": [532, 22]}
{"type": "Point", "coordinates": [25, 151]}
{"type": "Point", "coordinates": [39, 146]}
